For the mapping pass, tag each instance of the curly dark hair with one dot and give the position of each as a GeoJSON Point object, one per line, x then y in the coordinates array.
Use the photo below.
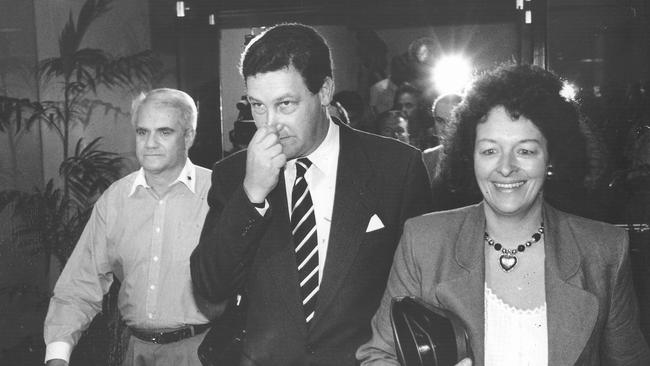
{"type": "Point", "coordinates": [289, 44]}
{"type": "Point", "coordinates": [524, 91]}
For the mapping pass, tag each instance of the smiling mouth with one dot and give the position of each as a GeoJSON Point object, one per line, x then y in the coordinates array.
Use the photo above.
{"type": "Point", "coordinates": [508, 185]}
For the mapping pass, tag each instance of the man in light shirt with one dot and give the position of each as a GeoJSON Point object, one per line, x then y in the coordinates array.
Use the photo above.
{"type": "Point", "coordinates": [142, 231]}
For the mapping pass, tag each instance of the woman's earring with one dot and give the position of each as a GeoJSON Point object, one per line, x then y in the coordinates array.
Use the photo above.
{"type": "Point", "coordinates": [549, 171]}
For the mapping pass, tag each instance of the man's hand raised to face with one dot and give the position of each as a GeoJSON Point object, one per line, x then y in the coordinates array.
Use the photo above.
{"type": "Point", "coordinates": [264, 159]}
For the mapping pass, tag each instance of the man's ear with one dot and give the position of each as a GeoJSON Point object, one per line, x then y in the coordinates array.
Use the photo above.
{"type": "Point", "coordinates": [190, 134]}
{"type": "Point", "coordinates": [326, 91]}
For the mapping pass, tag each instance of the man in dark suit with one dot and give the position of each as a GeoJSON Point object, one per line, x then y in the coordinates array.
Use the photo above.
{"type": "Point", "coordinates": [307, 220]}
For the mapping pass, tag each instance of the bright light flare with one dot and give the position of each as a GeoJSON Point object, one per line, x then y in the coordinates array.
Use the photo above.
{"type": "Point", "coordinates": [569, 90]}
{"type": "Point", "coordinates": [452, 74]}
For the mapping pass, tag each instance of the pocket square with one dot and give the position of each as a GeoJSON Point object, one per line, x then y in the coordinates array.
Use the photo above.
{"type": "Point", "coordinates": [374, 224]}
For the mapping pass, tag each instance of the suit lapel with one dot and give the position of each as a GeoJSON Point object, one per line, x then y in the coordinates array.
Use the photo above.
{"type": "Point", "coordinates": [463, 293]}
{"type": "Point", "coordinates": [354, 204]}
{"type": "Point", "coordinates": [571, 311]}
{"type": "Point", "coordinates": [280, 256]}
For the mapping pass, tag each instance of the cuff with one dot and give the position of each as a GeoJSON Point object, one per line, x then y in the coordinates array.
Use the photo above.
{"type": "Point", "coordinates": [261, 207]}
{"type": "Point", "coordinates": [61, 350]}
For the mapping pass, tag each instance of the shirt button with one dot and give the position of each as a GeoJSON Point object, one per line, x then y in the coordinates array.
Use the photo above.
{"type": "Point", "coordinates": [155, 258]}
{"type": "Point", "coordinates": [152, 287]}
{"type": "Point", "coordinates": [157, 229]}
{"type": "Point", "coordinates": [161, 202]}
{"type": "Point", "coordinates": [150, 315]}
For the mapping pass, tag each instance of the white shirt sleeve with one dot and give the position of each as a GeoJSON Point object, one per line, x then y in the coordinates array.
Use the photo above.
{"type": "Point", "coordinates": [61, 350]}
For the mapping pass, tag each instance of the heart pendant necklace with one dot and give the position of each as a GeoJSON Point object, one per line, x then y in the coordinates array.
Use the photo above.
{"type": "Point", "coordinates": [508, 257]}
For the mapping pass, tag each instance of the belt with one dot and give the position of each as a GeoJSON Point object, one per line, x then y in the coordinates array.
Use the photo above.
{"type": "Point", "coordinates": [171, 336]}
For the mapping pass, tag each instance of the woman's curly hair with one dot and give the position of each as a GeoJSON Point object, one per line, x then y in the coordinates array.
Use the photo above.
{"type": "Point", "coordinates": [524, 91]}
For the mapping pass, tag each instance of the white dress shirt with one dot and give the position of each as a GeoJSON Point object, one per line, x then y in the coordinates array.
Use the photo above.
{"type": "Point", "coordinates": [321, 180]}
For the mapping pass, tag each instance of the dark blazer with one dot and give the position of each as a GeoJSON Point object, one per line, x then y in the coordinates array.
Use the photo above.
{"type": "Point", "coordinates": [592, 313]}
{"type": "Point", "coordinates": [240, 248]}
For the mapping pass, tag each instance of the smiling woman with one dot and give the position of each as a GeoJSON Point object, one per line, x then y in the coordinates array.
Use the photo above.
{"type": "Point", "coordinates": [510, 162]}
{"type": "Point", "coordinates": [524, 276]}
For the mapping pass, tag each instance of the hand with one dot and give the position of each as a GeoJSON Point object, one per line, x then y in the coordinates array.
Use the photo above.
{"type": "Point", "coordinates": [264, 159]}
{"type": "Point", "coordinates": [465, 362]}
{"type": "Point", "coordinates": [56, 362]}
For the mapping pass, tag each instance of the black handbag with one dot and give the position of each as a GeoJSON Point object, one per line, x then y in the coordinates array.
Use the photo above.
{"type": "Point", "coordinates": [426, 335]}
{"type": "Point", "coordinates": [222, 345]}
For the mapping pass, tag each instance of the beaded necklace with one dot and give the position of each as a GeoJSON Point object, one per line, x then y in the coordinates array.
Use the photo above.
{"type": "Point", "coordinates": [508, 257]}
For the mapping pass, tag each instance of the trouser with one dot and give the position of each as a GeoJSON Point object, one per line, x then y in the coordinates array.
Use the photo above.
{"type": "Point", "coordinates": [181, 353]}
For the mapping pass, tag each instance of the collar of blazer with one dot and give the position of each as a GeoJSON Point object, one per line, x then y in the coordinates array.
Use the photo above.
{"type": "Point", "coordinates": [571, 311]}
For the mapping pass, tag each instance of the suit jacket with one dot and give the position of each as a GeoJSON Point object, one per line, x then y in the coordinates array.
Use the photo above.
{"type": "Point", "coordinates": [240, 248]}
{"type": "Point", "coordinates": [592, 311]}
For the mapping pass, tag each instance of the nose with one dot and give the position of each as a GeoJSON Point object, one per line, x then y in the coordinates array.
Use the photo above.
{"type": "Point", "coordinates": [507, 164]}
{"type": "Point", "coordinates": [150, 141]}
{"type": "Point", "coordinates": [269, 118]}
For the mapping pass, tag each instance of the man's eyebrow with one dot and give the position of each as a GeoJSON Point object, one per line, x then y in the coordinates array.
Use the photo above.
{"type": "Point", "coordinates": [275, 100]}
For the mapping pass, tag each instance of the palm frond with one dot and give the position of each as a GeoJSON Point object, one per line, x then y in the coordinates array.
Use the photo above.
{"type": "Point", "coordinates": [127, 70]}
{"type": "Point", "coordinates": [71, 35]}
{"type": "Point", "coordinates": [48, 69]}
{"type": "Point", "coordinates": [69, 41]}
{"type": "Point", "coordinates": [89, 172]}
{"type": "Point", "coordinates": [91, 10]}
{"type": "Point", "coordinates": [49, 223]}
{"type": "Point", "coordinates": [48, 112]}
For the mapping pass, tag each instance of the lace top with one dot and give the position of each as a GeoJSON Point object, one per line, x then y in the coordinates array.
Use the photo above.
{"type": "Point", "coordinates": [514, 336]}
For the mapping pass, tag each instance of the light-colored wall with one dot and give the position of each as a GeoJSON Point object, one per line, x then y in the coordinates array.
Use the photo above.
{"type": "Point", "coordinates": [485, 44]}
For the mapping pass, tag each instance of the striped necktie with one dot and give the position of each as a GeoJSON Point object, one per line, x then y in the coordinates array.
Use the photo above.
{"type": "Point", "coordinates": [303, 229]}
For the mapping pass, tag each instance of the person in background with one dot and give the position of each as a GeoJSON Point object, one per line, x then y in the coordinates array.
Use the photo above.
{"type": "Point", "coordinates": [142, 231]}
{"type": "Point", "coordinates": [394, 125]}
{"type": "Point", "coordinates": [382, 93]}
{"type": "Point", "coordinates": [422, 53]}
{"type": "Point", "coordinates": [408, 100]}
{"type": "Point", "coordinates": [306, 221]}
{"type": "Point", "coordinates": [442, 108]}
{"type": "Point", "coordinates": [243, 128]}
{"type": "Point", "coordinates": [354, 107]}
{"type": "Point", "coordinates": [534, 285]}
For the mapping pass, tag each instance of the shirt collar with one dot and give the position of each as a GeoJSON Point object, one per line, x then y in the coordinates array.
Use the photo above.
{"type": "Point", "coordinates": [326, 154]}
{"type": "Point", "coordinates": [187, 177]}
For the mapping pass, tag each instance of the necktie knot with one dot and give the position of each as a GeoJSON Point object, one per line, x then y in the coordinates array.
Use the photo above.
{"type": "Point", "coordinates": [302, 165]}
